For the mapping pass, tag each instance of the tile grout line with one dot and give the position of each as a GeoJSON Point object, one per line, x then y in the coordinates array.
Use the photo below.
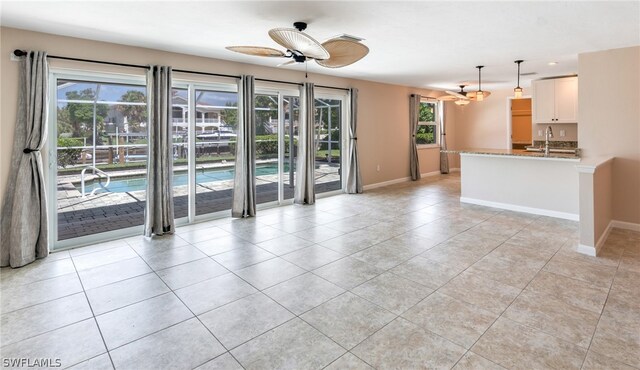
{"type": "Point", "coordinates": [349, 290]}
{"type": "Point", "coordinates": [603, 308]}
{"type": "Point", "coordinates": [175, 324]}
{"type": "Point", "coordinates": [505, 310]}
{"type": "Point", "coordinates": [95, 320]}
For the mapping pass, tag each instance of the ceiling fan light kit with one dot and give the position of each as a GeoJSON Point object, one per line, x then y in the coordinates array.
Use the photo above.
{"type": "Point", "coordinates": [517, 91]}
{"type": "Point", "coordinates": [336, 52]}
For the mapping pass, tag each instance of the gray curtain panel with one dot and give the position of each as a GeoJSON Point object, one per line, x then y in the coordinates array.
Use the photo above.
{"type": "Point", "coordinates": [305, 166]}
{"type": "Point", "coordinates": [159, 218]}
{"type": "Point", "coordinates": [244, 182]}
{"type": "Point", "coordinates": [414, 115]}
{"type": "Point", "coordinates": [24, 212]}
{"type": "Point", "coordinates": [354, 178]}
{"type": "Point", "coordinates": [444, 157]}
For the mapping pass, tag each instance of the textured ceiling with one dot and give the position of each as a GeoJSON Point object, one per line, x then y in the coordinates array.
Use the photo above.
{"type": "Point", "coordinates": [418, 43]}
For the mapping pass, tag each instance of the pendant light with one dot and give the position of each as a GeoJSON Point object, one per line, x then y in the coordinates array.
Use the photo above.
{"type": "Point", "coordinates": [517, 91]}
{"type": "Point", "coordinates": [462, 102]}
{"type": "Point", "coordinates": [479, 93]}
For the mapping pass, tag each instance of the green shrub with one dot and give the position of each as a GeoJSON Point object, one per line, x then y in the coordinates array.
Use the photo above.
{"type": "Point", "coordinates": [70, 156]}
{"type": "Point", "coordinates": [266, 144]}
{"type": "Point", "coordinates": [424, 138]}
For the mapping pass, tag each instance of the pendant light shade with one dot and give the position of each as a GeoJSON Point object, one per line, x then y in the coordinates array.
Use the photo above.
{"type": "Point", "coordinates": [517, 91]}
{"type": "Point", "coordinates": [479, 93]}
{"type": "Point", "coordinates": [462, 102]}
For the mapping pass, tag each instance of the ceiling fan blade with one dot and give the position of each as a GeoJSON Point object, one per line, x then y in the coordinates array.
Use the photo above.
{"type": "Point", "coordinates": [295, 40]}
{"type": "Point", "coordinates": [286, 63]}
{"type": "Point", "coordinates": [457, 95]}
{"type": "Point", "coordinates": [343, 52]}
{"type": "Point", "coordinates": [260, 51]}
{"type": "Point", "coordinates": [472, 94]}
{"type": "Point", "coordinates": [447, 98]}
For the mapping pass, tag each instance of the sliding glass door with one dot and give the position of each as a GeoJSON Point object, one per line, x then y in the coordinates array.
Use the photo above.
{"type": "Point", "coordinates": [328, 128]}
{"type": "Point", "coordinates": [205, 119]}
{"type": "Point", "coordinates": [277, 113]}
{"type": "Point", "coordinates": [97, 154]}
{"type": "Point", "coordinates": [291, 114]}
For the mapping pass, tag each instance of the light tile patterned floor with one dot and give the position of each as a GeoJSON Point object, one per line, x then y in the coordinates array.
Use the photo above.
{"type": "Point", "coordinates": [399, 277]}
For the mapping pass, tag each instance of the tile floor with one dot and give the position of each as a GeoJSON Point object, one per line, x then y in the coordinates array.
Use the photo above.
{"type": "Point", "coordinates": [399, 277]}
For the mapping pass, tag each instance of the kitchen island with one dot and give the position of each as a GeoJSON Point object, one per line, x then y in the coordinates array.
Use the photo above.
{"type": "Point", "coordinates": [520, 180]}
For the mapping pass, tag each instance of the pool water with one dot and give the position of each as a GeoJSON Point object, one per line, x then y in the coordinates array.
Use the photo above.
{"type": "Point", "coordinates": [202, 175]}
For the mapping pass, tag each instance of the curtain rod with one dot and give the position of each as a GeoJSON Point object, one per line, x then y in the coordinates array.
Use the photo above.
{"type": "Point", "coordinates": [332, 87]}
{"type": "Point", "coordinates": [426, 97]}
{"type": "Point", "coordinates": [278, 81]}
{"type": "Point", "coordinates": [21, 53]}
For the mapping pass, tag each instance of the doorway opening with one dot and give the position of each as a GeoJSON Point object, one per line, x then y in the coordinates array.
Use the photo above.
{"type": "Point", "coordinates": [520, 123]}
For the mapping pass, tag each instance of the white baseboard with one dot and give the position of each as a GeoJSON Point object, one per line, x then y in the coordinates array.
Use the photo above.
{"type": "Point", "coordinates": [603, 237]}
{"type": "Point", "coordinates": [457, 169]}
{"type": "Point", "coordinates": [585, 249]}
{"type": "Point", "coordinates": [429, 174]}
{"type": "Point", "coordinates": [517, 208]}
{"type": "Point", "coordinates": [593, 251]}
{"type": "Point", "coordinates": [625, 225]}
{"type": "Point", "coordinates": [404, 179]}
{"type": "Point", "coordinates": [386, 183]}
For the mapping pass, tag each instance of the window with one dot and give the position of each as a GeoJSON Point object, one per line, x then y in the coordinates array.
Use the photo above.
{"type": "Point", "coordinates": [428, 124]}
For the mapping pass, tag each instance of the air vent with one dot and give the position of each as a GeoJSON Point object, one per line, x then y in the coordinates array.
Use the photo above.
{"type": "Point", "coordinates": [344, 36]}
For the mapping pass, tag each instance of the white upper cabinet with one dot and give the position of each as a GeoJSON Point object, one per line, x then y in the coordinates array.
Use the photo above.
{"type": "Point", "coordinates": [555, 100]}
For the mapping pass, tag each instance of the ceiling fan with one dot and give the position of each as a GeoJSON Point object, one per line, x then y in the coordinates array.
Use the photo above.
{"type": "Point", "coordinates": [455, 95]}
{"type": "Point", "coordinates": [336, 52]}
{"type": "Point", "coordinates": [463, 97]}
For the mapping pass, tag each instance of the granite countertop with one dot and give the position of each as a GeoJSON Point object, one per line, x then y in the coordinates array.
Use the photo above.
{"type": "Point", "coordinates": [514, 152]}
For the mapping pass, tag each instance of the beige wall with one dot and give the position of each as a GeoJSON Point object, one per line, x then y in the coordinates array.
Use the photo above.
{"type": "Point", "coordinates": [483, 124]}
{"type": "Point", "coordinates": [602, 196]}
{"type": "Point", "coordinates": [383, 122]}
{"type": "Point", "coordinates": [609, 121]}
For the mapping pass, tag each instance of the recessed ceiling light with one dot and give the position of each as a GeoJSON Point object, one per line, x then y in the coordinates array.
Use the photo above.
{"type": "Point", "coordinates": [552, 63]}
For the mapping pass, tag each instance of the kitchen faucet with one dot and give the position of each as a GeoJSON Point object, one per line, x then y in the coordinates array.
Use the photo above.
{"type": "Point", "coordinates": [548, 133]}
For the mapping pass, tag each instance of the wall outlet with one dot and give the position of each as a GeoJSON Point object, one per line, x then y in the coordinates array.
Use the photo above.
{"type": "Point", "coordinates": [539, 132]}
{"type": "Point", "coordinates": [378, 168]}
{"type": "Point", "coordinates": [563, 133]}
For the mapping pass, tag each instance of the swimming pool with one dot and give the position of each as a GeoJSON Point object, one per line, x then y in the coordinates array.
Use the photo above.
{"type": "Point", "coordinates": [123, 185]}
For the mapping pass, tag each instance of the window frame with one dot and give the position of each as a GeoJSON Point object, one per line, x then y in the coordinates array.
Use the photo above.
{"type": "Point", "coordinates": [435, 123]}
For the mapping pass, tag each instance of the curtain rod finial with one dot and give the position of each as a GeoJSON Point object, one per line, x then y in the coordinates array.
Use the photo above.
{"type": "Point", "coordinates": [19, 53]}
